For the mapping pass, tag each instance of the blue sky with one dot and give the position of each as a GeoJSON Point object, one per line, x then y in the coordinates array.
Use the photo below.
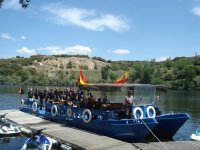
{"type": "Point", "coordinates": [111, 29]}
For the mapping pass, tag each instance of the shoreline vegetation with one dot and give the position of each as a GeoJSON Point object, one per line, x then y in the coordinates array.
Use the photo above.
{"type": "Point", "coordinates": [180, 73]}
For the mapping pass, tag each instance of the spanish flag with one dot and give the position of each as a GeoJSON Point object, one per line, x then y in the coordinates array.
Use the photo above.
{"type": "Point", "coordinates": [82, 78]}
{"type": "Point", "coordinates": [122, 79]}
{"type": "Point", "coordinates": [82, 82]}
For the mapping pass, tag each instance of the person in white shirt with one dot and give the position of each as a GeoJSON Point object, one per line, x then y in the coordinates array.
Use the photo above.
{"type": "Point", "coordinates": [128, 102]}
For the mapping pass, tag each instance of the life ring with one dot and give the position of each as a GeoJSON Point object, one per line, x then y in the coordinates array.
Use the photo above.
{"type": "Point", "coordinates": [34, 106]}
{"type": "Point", "coordinates": [151, 112]}
{"type": "Point", "coordinates": [135, 113]}
{"type": "Point", "coordinates": [54, 110]}
{"type": "Point", "coordinates": [69, 112]}
{"type": "Point", "coordinates": [87, 115]}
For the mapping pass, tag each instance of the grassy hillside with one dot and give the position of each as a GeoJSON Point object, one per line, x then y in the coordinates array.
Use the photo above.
{"type": "Point", "coordinates": [63, 70]}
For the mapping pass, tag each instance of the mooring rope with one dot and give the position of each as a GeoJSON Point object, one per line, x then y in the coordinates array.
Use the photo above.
{"type": "Point", "coordinates": [154, 135]}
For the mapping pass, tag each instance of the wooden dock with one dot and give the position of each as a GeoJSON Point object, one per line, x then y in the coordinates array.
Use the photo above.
{"type": "Point", "coordinates": [79, 139]}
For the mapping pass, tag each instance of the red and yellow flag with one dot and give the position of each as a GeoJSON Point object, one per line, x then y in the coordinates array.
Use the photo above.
{"type": "Point", "coordinates": [82, 78]}
{"type": "Point", "coordinates": [122, 79]}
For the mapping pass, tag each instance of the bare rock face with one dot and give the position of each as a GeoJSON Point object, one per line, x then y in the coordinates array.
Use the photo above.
{"type": "Point", "coordinates": [55, 63]}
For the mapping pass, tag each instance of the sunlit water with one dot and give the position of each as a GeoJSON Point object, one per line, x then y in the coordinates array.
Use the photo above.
{"type": "Point", "coordinates": [169, 102]}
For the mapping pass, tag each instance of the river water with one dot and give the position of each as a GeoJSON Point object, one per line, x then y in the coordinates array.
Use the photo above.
{"type": "Point", "coordinates": [169, 102]}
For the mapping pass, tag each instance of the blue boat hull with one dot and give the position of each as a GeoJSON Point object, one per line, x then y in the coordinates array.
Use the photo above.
{"type": "Point", "coordinates": [169, 124]}
{"type": "Point", "coordinates": [129, 130]}
{"type": "Point", "coordinates": [126, 130]}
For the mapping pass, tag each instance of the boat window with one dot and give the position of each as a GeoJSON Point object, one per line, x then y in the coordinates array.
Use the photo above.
{"type": "Point", "coordinates": [144, 94]}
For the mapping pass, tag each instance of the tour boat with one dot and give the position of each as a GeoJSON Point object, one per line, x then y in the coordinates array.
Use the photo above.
{"type": "Point", "coordinates": [110, 120]}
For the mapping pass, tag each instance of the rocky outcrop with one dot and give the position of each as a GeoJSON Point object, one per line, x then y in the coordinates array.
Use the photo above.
{"type": "Point", "coordinates": [55, 63]}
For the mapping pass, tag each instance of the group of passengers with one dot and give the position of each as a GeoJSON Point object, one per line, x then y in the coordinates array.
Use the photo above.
{"type": "Point", "coordinates": [68, 96]}
{"type": "Point", "coordinates": [71, 97]}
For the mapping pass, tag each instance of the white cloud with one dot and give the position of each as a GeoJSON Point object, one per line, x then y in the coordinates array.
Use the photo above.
{"type": "Point", "coordinates": [23, 37]}
{"type": "Point", "coordinates": [12, 4]}
{"type": "Point", "coordinates": [24, 51]}
{"type": "Point", "coordinates": [73, 50]}
{"type": "Point", "coordinates": [121, 51]}
{"type": "Point", "coordinates": [196, 11]}
{"type": "Point", "coordinates": [88, 19]}
{"type": "Point", "coordinates": [10, 37]}
{"type": "Point", "coordinates": [6, 36]}
{"type": "Point", "coordinates": [162, 59]}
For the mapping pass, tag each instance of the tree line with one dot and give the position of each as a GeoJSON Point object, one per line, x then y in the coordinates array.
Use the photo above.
{"type": "Point", "coordinates": [177, 73]}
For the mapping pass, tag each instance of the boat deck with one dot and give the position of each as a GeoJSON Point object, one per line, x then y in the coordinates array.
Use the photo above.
{"type": "Point", "coordinates": [79, 139]}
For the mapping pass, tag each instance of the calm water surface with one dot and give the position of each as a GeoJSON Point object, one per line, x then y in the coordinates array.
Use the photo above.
{"type": "Point", "coordinates": [169, 102]}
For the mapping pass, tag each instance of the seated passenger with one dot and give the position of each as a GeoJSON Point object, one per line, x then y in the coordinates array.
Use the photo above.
{"type": "Point", "coordinates": [90, 101]}
{"type": "Point", "coordinates": [83, 102]}
{"type": "Point", "coordinates": [105, 102]}
{"type": "Point", "coordinates": [98, 103]}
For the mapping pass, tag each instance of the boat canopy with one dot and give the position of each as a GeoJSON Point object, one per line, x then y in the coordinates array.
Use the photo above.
{"type": "Point", "coordinates": [143, 93]}
{"type": "Point", "coordinates": [113, 87]}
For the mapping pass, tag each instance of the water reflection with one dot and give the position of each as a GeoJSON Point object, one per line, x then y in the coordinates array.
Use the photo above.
{"type": "Point", "coordinates": [12, 142]}
{"type": "Point", "coordinates": [6, 140]}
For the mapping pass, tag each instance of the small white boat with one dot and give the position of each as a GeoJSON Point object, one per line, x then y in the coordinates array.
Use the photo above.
{"type": "Point", "coordinates": [196, 136]}
{"type": "Point", "coordinates": [39, 141]}
{"type": "Point", "coordinates": [6, 128]}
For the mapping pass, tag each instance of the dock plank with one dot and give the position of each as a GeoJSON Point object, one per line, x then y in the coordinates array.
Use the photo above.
{"type": "Point", "coordinates": [79, 138]}
{"type": "Point", "coordinates": [169, 145]}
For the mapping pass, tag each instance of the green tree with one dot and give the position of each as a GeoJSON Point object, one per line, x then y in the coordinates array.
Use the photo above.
{"type": "Point", "coordinates": [72, 76]}
{"type": "Point", "coordinates": [189, 73]}
{"type": "Point", "coordinates": [105, 72]}
{"type": "Point", "coordinates": [168, 63]}
{"type": "Point", "coordinates": [16, 79]}
{"type": "Point", "coordinates": [84, 67]}
{"type": "Point", "coordinates": [157, 76]}
{"type": "Point", "coordinates": [43, 79]}
{"type": "Point", "coordinates": [147, 72]}
{"type": "Point", "coordinates": [196, 60]}
{"type": "Point", "coordinates": [180, 63]}
{"type": "Point", "coordinates": [136, 73]}
{"type": "Point", "coordinates": [169, 75]}
{"type": "Point", "coordinates": [197, 82]}
{"type": "Point", "coordinates": [112, 76]}
{"type": "Point", "coordinates": [69, 65]}
{"type": "Point", "coordinates": [60, 77]}
{"type": "Point", "coordinates": [24, 74]}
